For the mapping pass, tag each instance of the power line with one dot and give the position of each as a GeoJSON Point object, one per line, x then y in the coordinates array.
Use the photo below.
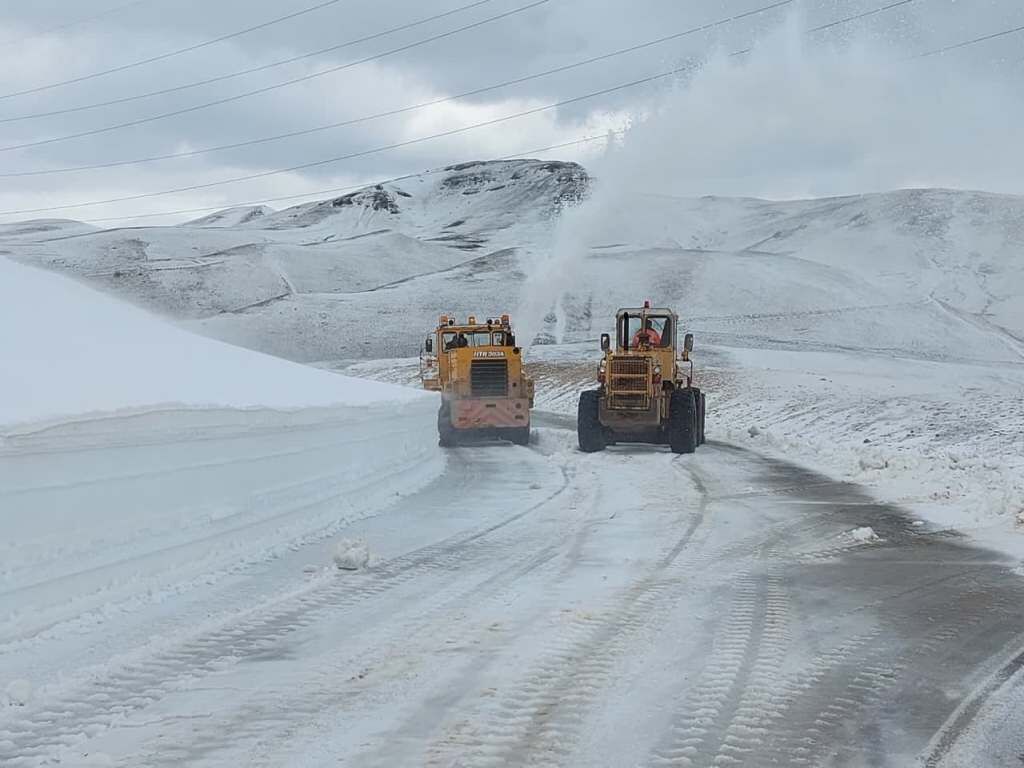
{"type": "Point", "coordinates": [406, 143]}
{"type": "Point", "coordinates": [265, 89]}
{"type": "Point", "coordinates": [171, 54]}
{"type": "Point", "coordinates": [240, 73]}
{"type": "Point", "coordinates": [361, 153]}
{"type": "Point", "coordinates": [76, 22]}
{"type": "Point", "coordinates": [352, 187]}
{"type": "Point", "coordinates": [840, 22]}
{"type": "Point", "coordinates": [966, 43]}
{"type": "Point", "coordinates": [410, 108]}
{"type": "Point", "coordinates": [859, 16]}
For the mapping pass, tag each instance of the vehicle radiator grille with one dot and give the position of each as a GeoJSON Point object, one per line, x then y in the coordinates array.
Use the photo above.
{"type": "Point", "coordinates": [629, 383]}
{"type": "Point", "coordinates": [489, 378]}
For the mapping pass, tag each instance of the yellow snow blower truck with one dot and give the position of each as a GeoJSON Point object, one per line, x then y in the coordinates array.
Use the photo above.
{"type": "Point", "coordinates": [478, 369]}
{"type": "Point", "coordinates": [646, 392]}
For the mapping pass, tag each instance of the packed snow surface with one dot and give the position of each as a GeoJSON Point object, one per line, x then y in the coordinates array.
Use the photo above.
{"type": "Point", "coordinates": [68, 350]}
{"type": "Point", "coordinates": [18, 693]}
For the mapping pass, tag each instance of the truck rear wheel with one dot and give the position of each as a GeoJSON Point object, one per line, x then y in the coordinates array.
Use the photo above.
{"type": "Point", "coordinates": [588, 422]}
{"type": "Point", "coordinates": [445, 430]}
{"type": "Point", "coordinates": [519, 435]}
{"type": "Point", "coordinates": [703, 417]}
{"type": "Point", "coordinates": [682, 421]}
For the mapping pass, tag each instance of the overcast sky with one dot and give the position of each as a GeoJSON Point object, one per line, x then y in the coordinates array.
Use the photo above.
{"type": "Point", "coordinates": [48, 41]}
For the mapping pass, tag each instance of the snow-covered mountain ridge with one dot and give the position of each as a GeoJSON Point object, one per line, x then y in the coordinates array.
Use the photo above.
{"type": "Point", "coordinates": [930, 274]}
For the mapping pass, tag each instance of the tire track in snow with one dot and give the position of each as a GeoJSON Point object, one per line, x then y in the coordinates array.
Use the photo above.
{"type": "Point", "coordinates": [342, 687]}
{"type": "Point", "coordinates": [104, 702]}
{"type": "Point", "coordinates": [821, 705]}
{"type": "Point", "coordinates": [721, 721]}
{"type": "Point", "coordinates": [968, 711]}
{"type": "Point", "coordinates": [238, 523]}
{"type": "Point", "coordinates": [537, 722]}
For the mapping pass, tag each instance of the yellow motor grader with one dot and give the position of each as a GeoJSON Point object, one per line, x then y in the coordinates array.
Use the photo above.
{"type": "Point", "coordinates": [646, 392]}
{"type": "Point", "coordinates": [478, 369]}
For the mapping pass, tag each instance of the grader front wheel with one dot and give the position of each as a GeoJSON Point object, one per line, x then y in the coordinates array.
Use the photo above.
{"type": "Point", "coordinates": [682, 421]}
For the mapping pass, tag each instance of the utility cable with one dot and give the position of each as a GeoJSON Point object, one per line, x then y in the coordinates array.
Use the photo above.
{"type": "Point", "coordinates": [171, 54]}
{"type": "Point", "coordinates": [251, 70]}
{"type": "Point", "coordinates": [75, 23]}
{"type": "Point", "coordinates": [266, 89]}
{"type": "Point", "coordinates": [966, 43]}
{"type": "Point", "coordinates": [361, 153]}
{"type": "Point", "coordinates": [401, 110]}
{"type": "Point", "coordinates": [464, 129]}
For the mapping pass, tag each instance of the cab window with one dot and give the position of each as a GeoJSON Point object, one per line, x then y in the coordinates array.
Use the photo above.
{"type": "Point", "coordinates": [659, 328]}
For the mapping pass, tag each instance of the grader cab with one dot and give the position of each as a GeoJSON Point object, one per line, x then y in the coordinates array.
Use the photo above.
{"type": "Point", "coordinates": [646, 392]}
{"type": "Point", "coordinates": [478, 369]}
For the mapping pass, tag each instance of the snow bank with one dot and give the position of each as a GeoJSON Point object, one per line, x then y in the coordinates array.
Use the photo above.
{"type": "Point", "coordinates": [68, 350]}
{"type": "Point", "coordinates": [142, 467]}
{"type": "Point", "coordinates": [943, 439]}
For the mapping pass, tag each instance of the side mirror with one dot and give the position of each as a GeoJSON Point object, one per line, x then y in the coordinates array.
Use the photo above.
{"type": "Point", "coordinates": [688, 343]}
{"type": "Point", "coordinates": [429, 344]}
{"type": "Point", "coordinates": [606, 342]}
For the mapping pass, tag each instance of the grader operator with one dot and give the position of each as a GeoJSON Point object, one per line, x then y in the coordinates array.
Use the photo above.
{"type": "Point", "coordinates": [478, 369]}
{"type": "Point", "coordinates": [646, 392]}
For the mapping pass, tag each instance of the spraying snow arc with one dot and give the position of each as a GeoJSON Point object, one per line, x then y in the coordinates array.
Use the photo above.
{"type": "Point", "coordinates": [792, 119]}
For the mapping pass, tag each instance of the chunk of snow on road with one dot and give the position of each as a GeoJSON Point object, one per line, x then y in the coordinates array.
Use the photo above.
{"type": "Point", "coordinates": [753, 431]}
{"type": "Point", "coordinates": [18, 692]}
{"type": "Point", "coordinates": [351, 554]}
{"type": "Point", "coordinates": [94, 759]}
{"type": "Point", "coordinates": [863, 535]}
{"type": "Point", "coordinates": [69, 350]}
{"type": "Point", "coordinates": [872, 461]}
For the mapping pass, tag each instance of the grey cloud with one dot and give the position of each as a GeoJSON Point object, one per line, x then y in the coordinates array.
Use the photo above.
{"type": "Point", "coordinates": [558, 33]}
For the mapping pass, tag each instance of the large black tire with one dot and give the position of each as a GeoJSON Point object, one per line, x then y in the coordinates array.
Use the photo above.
{"type": "Point", "coordinates": [682, 421]}
{"type": "Point", "coordinates": [698, 414]}
{"type": "Point", "coordinates": [588, 422]}
{"type": "Point", "coordinates": [519, 435]}
{"type": "Point", "coordinates": [446, 437]}
{"type": "Point", "coordinates": [703, 418]}
{"type": "Point", "coordinates": [699, 400]}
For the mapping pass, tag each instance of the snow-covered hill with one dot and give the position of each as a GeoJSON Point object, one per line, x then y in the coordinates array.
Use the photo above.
{"type": "Point", "coordinates": [233, 217]}
{"type": "Point", "coordinates": [930, 274]}
{"type": "Point", "coordinates": [241, 261]}
{"type": "Point", "coordinates": [925, 261]}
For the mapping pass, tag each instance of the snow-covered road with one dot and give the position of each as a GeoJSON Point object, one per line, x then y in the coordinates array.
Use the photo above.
{"type": "Point", "coordinates": [524, 607]}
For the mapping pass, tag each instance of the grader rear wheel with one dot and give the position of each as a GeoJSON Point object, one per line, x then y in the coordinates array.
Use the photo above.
{"type": "Point", "coordinates": [588, 422]}
{"type": "Point", "coordinates": [446, 436]}
{"type": "Point", "coordinates": [519, 435]}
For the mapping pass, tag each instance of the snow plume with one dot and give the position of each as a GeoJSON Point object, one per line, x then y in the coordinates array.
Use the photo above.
{"type": "Point", "coordinates": [794, 118]}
